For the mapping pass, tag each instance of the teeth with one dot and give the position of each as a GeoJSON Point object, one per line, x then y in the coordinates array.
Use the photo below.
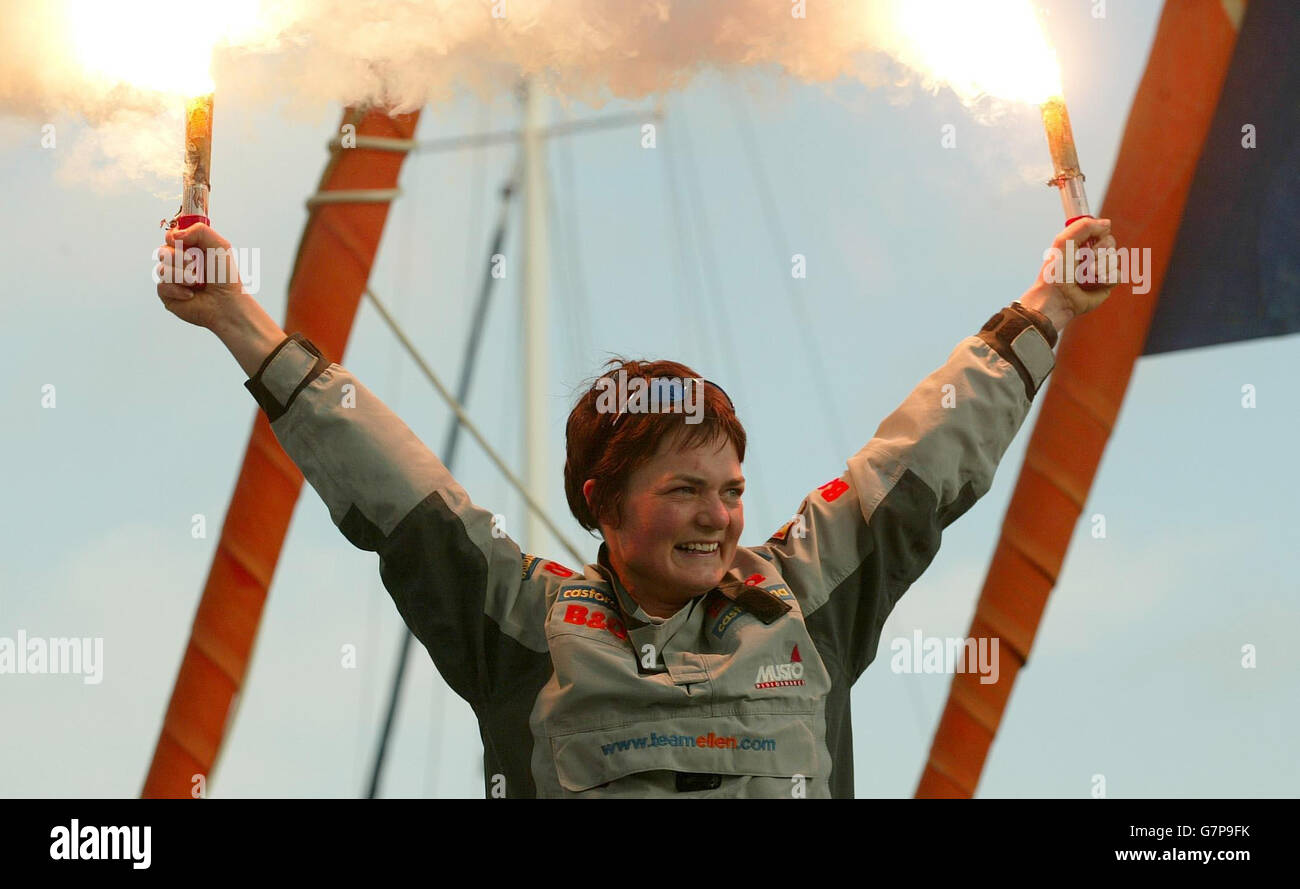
{"type": "Point", "coordinates": [698, 547]}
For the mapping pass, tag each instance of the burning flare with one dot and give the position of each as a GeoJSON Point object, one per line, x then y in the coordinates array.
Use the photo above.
{"type": "Point", "coordinates": [197, 181]}
{"type": "Point", "coordinates": [993, 48]}
{"type": "Point", "coordinates": [140, 44]}
{"type": "Point", "coordinates": [998, 50]}
{"type": "Point", "coordinates": [121, 63]}
{"type": "Point", "coordinates": [1065, 160]}
{"type": "Point", "coordinates": [156, 47]}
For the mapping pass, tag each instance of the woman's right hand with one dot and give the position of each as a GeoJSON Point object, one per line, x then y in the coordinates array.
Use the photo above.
{"type": "Point", "coordinates": [212, 304]}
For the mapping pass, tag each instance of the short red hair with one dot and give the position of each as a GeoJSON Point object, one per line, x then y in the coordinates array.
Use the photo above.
{"type": "Point", "coordinates": [598, 448]}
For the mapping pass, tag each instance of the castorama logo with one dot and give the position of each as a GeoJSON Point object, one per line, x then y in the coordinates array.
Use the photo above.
{"type": "Point", "coordinates": [777, 675]}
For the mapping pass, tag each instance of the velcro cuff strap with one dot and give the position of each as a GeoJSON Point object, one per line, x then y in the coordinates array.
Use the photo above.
{"type": "Point", "coordinates": [288, 370]}
{"type": "Point", "coordinates": [1015, 337]}
{"type": "Point", "coordinates": [1039, 320]}
{"type": "Point", "coordinates": [1035, 354]}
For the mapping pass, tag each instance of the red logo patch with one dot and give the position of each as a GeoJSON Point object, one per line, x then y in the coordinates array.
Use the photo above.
{"type": "Point", "coordinates": [833, 489]}
{"type": "Point", "coordinates": [597, 620]}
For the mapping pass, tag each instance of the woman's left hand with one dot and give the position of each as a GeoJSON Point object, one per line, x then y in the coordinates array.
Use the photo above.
{"type": "Point", "coordinates": [1060, 299]}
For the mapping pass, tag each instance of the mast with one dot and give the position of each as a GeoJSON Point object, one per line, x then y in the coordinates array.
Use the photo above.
{"type": "Point", "coordinates": [534, 293]}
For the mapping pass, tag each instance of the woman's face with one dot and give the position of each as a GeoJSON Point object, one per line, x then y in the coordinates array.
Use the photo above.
{"type": "Point", "coordinates": [679, 497]}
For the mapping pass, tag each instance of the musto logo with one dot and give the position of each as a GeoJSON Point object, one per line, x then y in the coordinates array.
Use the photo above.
{"type": "Point", "coordinates": [777, 675]}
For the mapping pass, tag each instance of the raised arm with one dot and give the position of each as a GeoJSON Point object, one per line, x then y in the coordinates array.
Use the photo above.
{"type": "Point", "coordinates": [860, 540]}
{"type": "Point", "coordinates": [462, 586]}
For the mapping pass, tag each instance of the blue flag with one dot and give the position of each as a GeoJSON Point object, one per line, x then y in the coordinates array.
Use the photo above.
{"type": "Point", "coordinates": [1235, 269]}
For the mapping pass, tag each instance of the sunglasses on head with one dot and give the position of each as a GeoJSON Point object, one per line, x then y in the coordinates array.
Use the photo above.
{"type": "Point", "coordinates": [673, 392]}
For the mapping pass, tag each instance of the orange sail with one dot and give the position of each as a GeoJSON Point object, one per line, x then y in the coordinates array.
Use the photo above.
{"type": "Point", "coordinates": [335, 255]}
{"type": "Point", "coordinates": [1163, 138]}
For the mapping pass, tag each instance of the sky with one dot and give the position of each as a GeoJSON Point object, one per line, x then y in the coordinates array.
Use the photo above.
{"type": "Point", "coordinates": [1136, 673]}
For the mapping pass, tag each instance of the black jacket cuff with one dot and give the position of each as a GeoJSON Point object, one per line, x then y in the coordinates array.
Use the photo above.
{"type": "Point", "coordinates": [1020, 338]}
{"type": "Point", "coordinates": [290, 368]}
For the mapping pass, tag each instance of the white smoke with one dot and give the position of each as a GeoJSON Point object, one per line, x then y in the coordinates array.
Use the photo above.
{"type": "Point", "coordinates": [405, 54]}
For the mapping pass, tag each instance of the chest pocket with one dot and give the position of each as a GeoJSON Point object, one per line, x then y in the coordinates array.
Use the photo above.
{"type": "Point", "coordinates": [687, 667]}
{"type": "Point", "coordinates": [768, 746]}
{"type": "Point", "coordinates": [706, 710]}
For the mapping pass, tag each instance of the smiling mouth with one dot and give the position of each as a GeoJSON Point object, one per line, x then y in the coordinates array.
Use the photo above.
{"type": "Point", "coordinates": [710, 549]}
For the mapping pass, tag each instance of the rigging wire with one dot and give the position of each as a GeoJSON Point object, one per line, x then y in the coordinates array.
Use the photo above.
{"type": "Point", "coordinates": [448, 452]}
{"type": "Point", "coordinates": [574, 277]}
{"type": "Point", "coordinates": [800, 311]}
{"type": "Point", "coordinates": [475, 140]}
{"type": "Point", "coordinates": [456, 407]}
{"type": "Point", "coordinates": [433, 742]}
{"type": "Point", "coordinates": [745, 126]}
{"type": "Point", "coordinates": [568, 331]}
{"type": "Point", "coordinates": [476, 204]}
{"type": "Point", "coordinates": [402, 254]}
{"type": "Point", "coordinates": [712, 288]}
{"type": "Point", "coordinates": [686, 286]}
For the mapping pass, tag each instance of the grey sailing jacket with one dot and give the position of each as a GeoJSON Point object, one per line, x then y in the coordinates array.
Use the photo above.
{"type": "Point", "coordinates": [744, 691]}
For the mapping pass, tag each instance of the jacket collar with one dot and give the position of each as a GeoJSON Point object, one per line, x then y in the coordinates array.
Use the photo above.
{"type": "Point", "coordinates": [762, 604]}
{"type": "Point", "coordinates": [626, 603]}
{"type": "Point", "coordinates": [631, 608]}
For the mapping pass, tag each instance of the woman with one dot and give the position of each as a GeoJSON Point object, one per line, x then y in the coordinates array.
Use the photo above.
{"type": "Point", "coordinates": [681, 663]}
